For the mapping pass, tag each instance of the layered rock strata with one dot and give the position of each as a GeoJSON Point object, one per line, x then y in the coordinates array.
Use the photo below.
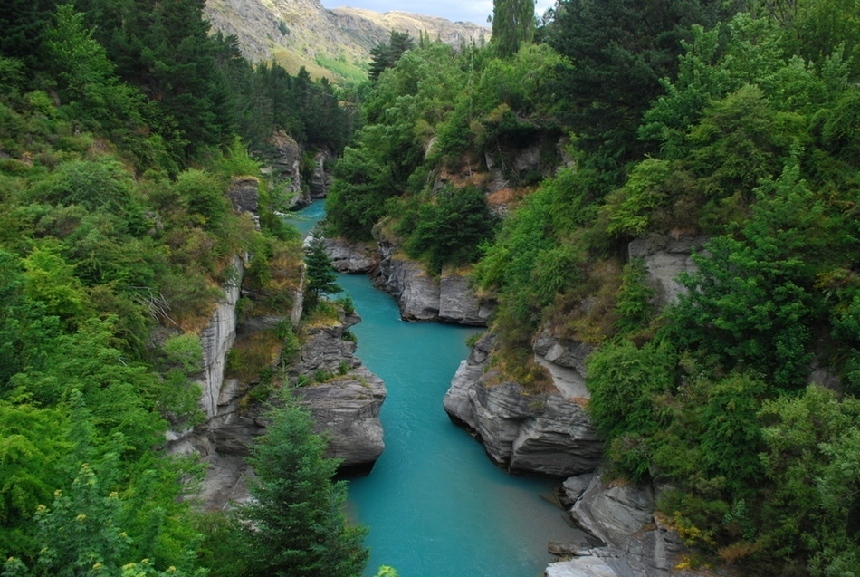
{"type": "Point", "coordinates": [547, 433]}
{"type": "Point", "coordinates": [422, 297]}
{"type": "Point", "coordinates": [633, 542]}
{"type": "Point", "coordinates": [345, 404]}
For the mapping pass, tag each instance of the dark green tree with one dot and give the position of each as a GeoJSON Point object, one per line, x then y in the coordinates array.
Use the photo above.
{"type": "Point", "coordinates": [620, 49]}
{"type": "Point", "coordinates": [296, 527]}
{"type": "Point", "coordinates": [321, 276]}
{"type": "Point", "coordinates": [513, 25]}
{"type": "Point", "coordinates": [451, 229]}
{"type": "Point", "coordinates": [384, 56]}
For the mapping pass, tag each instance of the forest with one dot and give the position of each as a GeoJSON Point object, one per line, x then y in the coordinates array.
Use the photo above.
{"type": "Point", "coordinates": [122, 126]}
{"type": "Point", "coordinates": [734, 122]}
{"type": "Point", "coordinates": [122, 123]}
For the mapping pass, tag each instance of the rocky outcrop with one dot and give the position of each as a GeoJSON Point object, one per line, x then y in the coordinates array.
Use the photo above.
{"type": "Point", "coordinates": [217, 338]}
{"type": "Point", "coordinates": [351, 257]}
{"type": "Point", "coordinates": [285, 161]}
{"type": "Point", "coordinates": [547, 433]}
{"type": "Point", "coordinates": [321, 176]}
{"type": "Point", "coordinates": [244, 192]}
{"type": "Point", "coordinates": [633, 541]}
{"type": "Point", "coordinates": [343, 396]}
{"type": "Point", "coordinates": [422, 297]}
{"type": "Point", "coordinates": [666, 257]}
{"type": "Point", "coordinates": [458, 302]}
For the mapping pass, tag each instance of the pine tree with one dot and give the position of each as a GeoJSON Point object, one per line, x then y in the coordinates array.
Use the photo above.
{"type": "Point", "coordinates": [384, 56]}
{"type": "Point", "coordinates": [321, 276]}
{"type": "Point", "coordinates": [296, 527]}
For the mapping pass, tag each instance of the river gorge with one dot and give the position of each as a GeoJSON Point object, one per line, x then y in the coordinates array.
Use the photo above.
{"type": "Point", "coordinates": [434, 503]}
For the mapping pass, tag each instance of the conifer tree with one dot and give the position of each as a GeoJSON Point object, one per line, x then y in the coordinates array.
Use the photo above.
{"type": "Point", "coordinates": [320, 274]}
{"type": "Point", "coordinates": [385, 55]}
{"type": "Point", "coordinates": [296, 525]}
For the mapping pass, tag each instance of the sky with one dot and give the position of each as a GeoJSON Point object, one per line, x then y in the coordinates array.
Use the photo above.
{"type": "Point", "coordinates": [455, 10]}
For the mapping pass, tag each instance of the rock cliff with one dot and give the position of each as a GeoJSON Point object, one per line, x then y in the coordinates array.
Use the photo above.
{"type": "Point", "coordinates": [343, 396]}
{"type": "Point", "coordinates": [422, 297]}
{"type": "Point", "coordinates": [351, 257]}
{"type": "Point", "coordinates": [545, 433]}
{"type": "Point", "coordinates": [666, 257]}
{"type": "Point", "coordinates": [633, 542]}
{"type": "Point", "coordinates": [345, 405]}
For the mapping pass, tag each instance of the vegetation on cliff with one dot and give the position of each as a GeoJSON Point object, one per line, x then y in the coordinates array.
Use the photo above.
{"type": "Point", "coordinates": [682, 118]}
{"type": "Point", "coordinates": [122, 127]}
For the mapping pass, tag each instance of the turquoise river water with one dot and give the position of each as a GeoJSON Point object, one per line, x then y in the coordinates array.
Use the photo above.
{"type": "Point", "coordinates": [434, 503]}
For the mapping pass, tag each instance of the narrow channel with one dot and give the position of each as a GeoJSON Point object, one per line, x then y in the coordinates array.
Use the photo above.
{"type": "Point", "coordinates": [434, 503]}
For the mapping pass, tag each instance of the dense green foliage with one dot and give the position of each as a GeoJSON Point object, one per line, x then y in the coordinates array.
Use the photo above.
{"type": "Point", "coordinates": [513, 25]}
{"type": "Point", "coordinates": [121, 131]}
{"type": "Point", "coordinates": [118, 138]}
{"type": "Point", "coordinates": [684, 119]}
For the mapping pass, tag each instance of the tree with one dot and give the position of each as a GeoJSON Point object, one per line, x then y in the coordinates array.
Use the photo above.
{"type": "Point", "coordinates": [620, 51]}
{"type": "Point", "coordinates": [451, 229]}
{"type": "Point", "coordinates": [384, 56]}
{"type": "Point", "coordinates": [753, 301]}
{"type": "Point", "coordinates": [321, 276]}
{"type": "Point", "coordinates": [296, 526]}
{"type": "Point", "coordinates": [513, 25]}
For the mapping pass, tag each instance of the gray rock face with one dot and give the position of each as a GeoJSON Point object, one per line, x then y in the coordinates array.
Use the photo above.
{"type": "Point", "coordinates": [321, 177]}
{"type": "Point", "coordinates": [217, 338]}
{"type": "Point", "coordinates": [665, 258]}
{"type": "Point", "coordinates": [417, 293]}
{"type": "Point", "coordinates": [548, 433]}
{"type": "Point", "coordinates": [613, 512]}
{"type": "Point", "coordinates": [244, 192]}
{"type": "Point", "coordinates": [350, 257]}
{"type": "Point", "coordinates": [636, 544]}
{"type": "Point", "coordinates": [458, 302]}
{"type": "Point", "coordinates": [422, 297]}
{"type": "Point", "coordinates": [568, 354]}
{"type": "Point", "coordinates": [346, 411]}
{"type": "Point", "coordinates": [285, 167]}
{"type": "Point", "coordinates": [345, 406]}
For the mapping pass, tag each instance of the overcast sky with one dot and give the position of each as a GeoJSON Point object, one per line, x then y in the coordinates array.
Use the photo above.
{"type": "Point", "coordinates": [455, 10]}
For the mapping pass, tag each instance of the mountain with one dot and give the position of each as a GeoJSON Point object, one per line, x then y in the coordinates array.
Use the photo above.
{"type": "Point", "coordinates": [335, 43]}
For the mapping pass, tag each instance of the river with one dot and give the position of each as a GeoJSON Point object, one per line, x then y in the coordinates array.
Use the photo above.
{"type": "Point", "coordinates": [434, 503]}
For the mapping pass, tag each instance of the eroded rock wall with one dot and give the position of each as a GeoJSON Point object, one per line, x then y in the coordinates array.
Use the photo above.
{"type": "Point", "coordinates": [547, 433]}
{"type": "Point", "coordinates": [423, 297]}
{"type": "Point", "coordinates": [343, 396]}
{"type": "Point", "coordinates": [630, 540]}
